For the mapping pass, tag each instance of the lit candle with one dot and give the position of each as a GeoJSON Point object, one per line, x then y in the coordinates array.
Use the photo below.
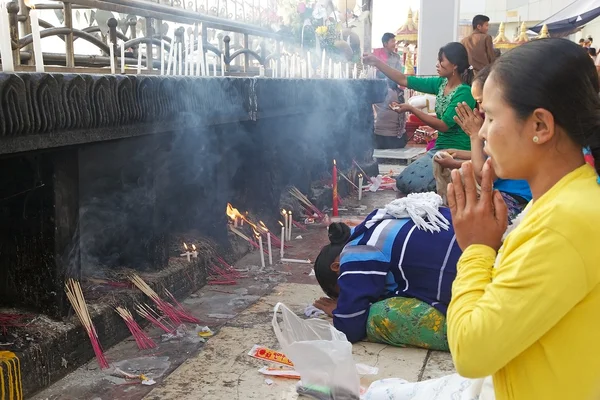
{"type": "Point", "coordinates": [37, 41]}
{"type": "Point", "coordinates": [360, 186]}
{"type": "Point", "coordinates": [335, 191]}
{"type": "Point", "coordinates": [111, 53]}
{"type": "Point", "coordinates": [222, 65]}
{"type": "Point", "coordinates": [194, 251]}
{"type": "Point", "coordinates": [282, 239]}
{"type": "Point", "coordinates": [264, 228]}
{"type": "Point", "coordinates": [235, 222]}
{"type": "Point", "coordinates": [139, 64]}
{"type": "Point", "coordinates": [5, 42]}
{"type": "Point", "coordinates": [290, 224]}
{"type": "Point", "coordinates": [285, 221]}
{"type": "Point", "coordinates": [323, 64]}
{"type": "Point", "coordinates": [187, 253]}
{"type": "Point", "coordinates": [262, 253]}
{"type": "Point", "coordinates": [122, 57]}
{"type": "Point", "coordinates": [162, 56]}
{"type": "Point", "coordinates": [269, 247]}
{"type": "Point", "coordinates": [180, 54]}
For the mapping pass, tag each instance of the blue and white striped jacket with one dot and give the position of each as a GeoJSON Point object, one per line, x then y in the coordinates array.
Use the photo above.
{"type": "Point", "coordinates": [388, 257]}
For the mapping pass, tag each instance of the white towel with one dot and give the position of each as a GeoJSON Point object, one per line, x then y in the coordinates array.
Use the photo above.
{"type": "Point", "coordinates": [422, 208]}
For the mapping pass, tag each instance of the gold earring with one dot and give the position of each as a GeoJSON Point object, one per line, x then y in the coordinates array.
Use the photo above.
{"type": "Point", "coordinates": [536, 139]}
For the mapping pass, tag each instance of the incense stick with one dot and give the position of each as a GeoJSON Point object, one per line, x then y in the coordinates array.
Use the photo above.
{"type": "Point", "coordinates": [75, 296]}
{"type": "Point", "coordinates": [141, 339]}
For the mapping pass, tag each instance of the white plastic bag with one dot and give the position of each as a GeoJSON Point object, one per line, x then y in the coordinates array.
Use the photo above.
{"type": "Point", "coordinates": [321, 354]}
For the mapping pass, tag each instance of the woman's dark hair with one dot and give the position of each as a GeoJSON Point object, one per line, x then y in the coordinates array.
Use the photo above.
{"type": "Point", "coordinates": [592, 51]}
{"type": "Point", "coordinates": [457, 54]}
{"type": "Point", "coordinates": [482, 75]}
{"type": "Point", "coordinates": [339, 233]}
{"type": "Point", "coordinates": [533, 77]}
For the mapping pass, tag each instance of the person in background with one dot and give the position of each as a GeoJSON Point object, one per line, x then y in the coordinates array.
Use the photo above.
{"type": "Point", "coordinates": [387, 54]}
{"type": "Point", "coordinates": [516, 193]}
{"type": "Point", "coordinates": [388, 280]}
{"type": "Point", "coordinates": [451, 88]}
{"type": "Point", "coordinates": [497, 53]}
{"type": "Point", "coordinates": [479, 44]}
{"type": "Point", "coordinates": [582, 42]}
{"type": "Point", "coordinates": [390, 127]}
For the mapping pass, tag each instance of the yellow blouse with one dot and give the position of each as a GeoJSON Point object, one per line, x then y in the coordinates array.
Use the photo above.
{"type": "Point", "coordinates": [532, 320]}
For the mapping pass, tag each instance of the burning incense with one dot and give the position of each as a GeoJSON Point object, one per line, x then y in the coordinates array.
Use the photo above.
{"type": "Point", "coordinates": [335, 191]}
{"type": "Point", "coordinates": [141, 339]}
{"type": "Point", "coordinates": [75, 296]}
{"type": "Point", "coordinates": [304, 200]}
{"type": "Point", "coordinates": [361, 170]}
{"type": "Point", "coordinates": [347, 179]}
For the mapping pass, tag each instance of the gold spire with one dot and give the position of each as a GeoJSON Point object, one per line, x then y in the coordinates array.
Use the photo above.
{"type": "Point", "coordinates": [409, 68]}
{"type": "Point", "coordinates": [501, 41]}
{"type": "Point", "coordinates": [416, 18]}
{"type": "Point", "coordinates": [544, 33]}
{"type": "Point", "coordinates": [523, 38]}
{"type": "Point", "coordinates": [409, 31]}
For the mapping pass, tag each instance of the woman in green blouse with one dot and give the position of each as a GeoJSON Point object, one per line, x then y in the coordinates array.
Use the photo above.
{"type": "Point", "coordinates": [451, 88]}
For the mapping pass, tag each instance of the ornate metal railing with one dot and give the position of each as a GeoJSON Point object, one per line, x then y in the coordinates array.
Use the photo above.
{"type": "Point", "coordinates": [240, 43]}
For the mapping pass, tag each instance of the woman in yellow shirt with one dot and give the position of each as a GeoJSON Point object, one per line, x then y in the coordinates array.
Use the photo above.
{"type": "Point", "coordinates": [526, 311]}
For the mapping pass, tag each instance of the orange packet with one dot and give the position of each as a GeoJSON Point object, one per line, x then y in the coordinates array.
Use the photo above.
{"type": "Point", "coordinates": [263, 353]}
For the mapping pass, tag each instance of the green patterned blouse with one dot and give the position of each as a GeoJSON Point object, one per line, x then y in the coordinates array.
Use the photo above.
{"type": "Point", "coordinates": [445, 109]}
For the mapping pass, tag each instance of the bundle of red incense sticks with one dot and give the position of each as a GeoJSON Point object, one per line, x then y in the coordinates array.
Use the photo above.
{"type": "Point", "coordinates": [75, 296]}
{"type": "Point", "coordinates": [8, 320]}
{"type": "Point", "coordinates": [148, 313]}
{"type": "Point", "coordinates": [176, 315]}
{"type": "Point", "coordinates": [141, 339]}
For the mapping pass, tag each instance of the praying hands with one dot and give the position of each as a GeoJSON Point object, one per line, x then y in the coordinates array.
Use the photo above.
{"type": "Point", "coordinates": [476, 220]}
{"type": "Point", "coordinates": [468, 119]}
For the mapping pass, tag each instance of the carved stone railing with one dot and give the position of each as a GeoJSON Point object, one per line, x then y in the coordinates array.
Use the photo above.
{"type": "Point", "coordinates": [52, 110]}
{"type": "Point", "coordinates": [230, 36]}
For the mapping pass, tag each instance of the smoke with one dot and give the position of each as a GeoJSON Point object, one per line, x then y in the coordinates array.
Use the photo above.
{"type": "Point", "coordinates": [263, 135]}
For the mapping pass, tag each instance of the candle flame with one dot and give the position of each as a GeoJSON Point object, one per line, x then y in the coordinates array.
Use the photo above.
{"type": "Point", "coordinates": [232, 213]}
{"type": "Point", "coordinates": [334, 163]}
{"type": "Point", "coordinates": [284, 212]}
{"type": "Point", "coordinates": [360, 175]}
{"type": "Point", "coordinates": [194, 247]}
{"type": "Point", "coordinates": [280, 223]}
{"type": "Point", "coordinates": [256, 233]}
{"type": "Point", "coordinates": [263, 226]}
{"type": "Point", "coordinates": [185, 246]}
{"type": "Point", "coordinates": [30, 4]}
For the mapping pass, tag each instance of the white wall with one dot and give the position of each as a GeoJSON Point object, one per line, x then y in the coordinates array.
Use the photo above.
{"type": "Point", "coordinates": [389, 16]}
{"type": "Point", "coordinates": [438, 25]}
